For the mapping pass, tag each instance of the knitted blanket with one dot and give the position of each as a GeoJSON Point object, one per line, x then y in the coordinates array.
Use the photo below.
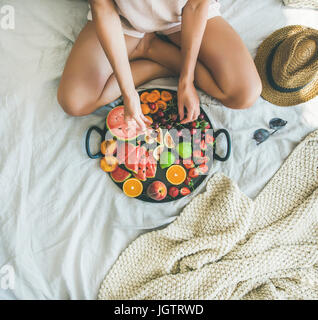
{"type": "Point", "coordinates": [226, 246]}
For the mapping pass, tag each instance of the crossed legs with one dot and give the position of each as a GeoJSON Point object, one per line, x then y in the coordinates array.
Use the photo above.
{"type": "Point", "coordinates": [225, 69]}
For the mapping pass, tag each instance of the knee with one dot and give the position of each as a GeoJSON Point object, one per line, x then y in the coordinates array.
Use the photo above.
{"type": "Point", "coordinates": [243, 96]}
{"type": "Point", "coordinates": [70, 103]}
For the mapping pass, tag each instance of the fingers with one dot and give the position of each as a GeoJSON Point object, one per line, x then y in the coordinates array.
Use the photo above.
{"type": "Point", "coordinates": [189, 118]}
{"type": "Point", "coordinates": [181, 108]}
{"type": "Point", "coordinates": [133, 120]}
{"type": "Point", "coordinates": [140, 123]}
{"type": "Point", "coordinates": [144, 119]}
{"type": "Point", "coordinates": [192, 115]}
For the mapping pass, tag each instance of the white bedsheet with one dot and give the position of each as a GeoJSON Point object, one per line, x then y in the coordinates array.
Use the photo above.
{"type": "Point", "coordinates": [63, 222]}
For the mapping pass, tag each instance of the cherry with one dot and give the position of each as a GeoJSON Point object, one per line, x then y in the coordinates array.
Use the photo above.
{"type": "Point", "coordinates": [168, 126]}
{"type": "Point", "coordinates": [152, 106]}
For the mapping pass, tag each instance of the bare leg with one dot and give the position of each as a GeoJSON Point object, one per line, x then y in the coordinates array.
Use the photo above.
{"type": "Point", "coordinates": [225, 69]}
{"type": "Point", "coordinates": [88, 82]}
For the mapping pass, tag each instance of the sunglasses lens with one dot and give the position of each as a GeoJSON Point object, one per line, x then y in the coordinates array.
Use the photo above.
{"type": "Point", "coordinates": [277, 123]}
{"type": "Point", "coordinates": [261, 135]}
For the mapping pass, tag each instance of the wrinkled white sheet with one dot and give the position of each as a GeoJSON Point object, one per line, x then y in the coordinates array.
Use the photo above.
{"type": "Point", "coordinates": [63, 222]}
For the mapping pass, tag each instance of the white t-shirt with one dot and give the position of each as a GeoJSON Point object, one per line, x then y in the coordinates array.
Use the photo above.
{"type": "Point", "coordinates": [145, 16]}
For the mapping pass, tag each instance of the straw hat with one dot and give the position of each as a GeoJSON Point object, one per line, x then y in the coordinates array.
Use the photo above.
{"type": "Point", "coordinates": [287, 62]}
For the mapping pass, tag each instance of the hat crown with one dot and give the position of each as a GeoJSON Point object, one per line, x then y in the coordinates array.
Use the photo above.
{"type": "Point", "coordinates": [295, 62]}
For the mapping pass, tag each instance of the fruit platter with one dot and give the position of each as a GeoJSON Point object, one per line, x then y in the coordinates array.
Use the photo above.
{"type": "Point", "coordinates": [166, 162]}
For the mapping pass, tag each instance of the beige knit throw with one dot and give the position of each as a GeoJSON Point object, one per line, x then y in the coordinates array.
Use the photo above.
{"type": "Point", "coordinates": [226, 246]}
{"type": "Point", "coordinates": [312, 4]}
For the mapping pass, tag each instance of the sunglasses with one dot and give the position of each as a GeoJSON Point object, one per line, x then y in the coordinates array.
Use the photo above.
{"type": "Point", "coordinates": [262, 135]}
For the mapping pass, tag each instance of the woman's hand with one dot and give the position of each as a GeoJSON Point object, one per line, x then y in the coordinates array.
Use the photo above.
{"type": "Point", "coordinates": [133, 111]}
{"type": "Point", "coordinates": [188, 99]}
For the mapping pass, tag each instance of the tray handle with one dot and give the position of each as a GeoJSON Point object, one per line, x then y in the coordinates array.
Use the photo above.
{"type": "Point", "coordinates": [228, 140]}
{"type": "Point", "coordinates": [88, 136]}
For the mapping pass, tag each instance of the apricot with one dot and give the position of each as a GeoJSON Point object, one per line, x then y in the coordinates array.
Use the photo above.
{"type": "Point", "coordinates": [143, 97]}
{"type": "Point", "coordinates": [166, 96]}
{"type": "Point", "coordinates": [161, 104]}
{"type": "Point", "coordinates": [109, 163]}
{"type": "Point", "coordinates": [145, 108]}
{"type": "Point", "coordinates": [153, 97]}
{"type": "Point", "coordinates": [108, 147]}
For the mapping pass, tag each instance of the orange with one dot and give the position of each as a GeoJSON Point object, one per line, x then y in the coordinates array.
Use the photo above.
{"type": "Point", "coordinates": [161, 104]}
{"type": "Point", "coordinates": [143, 97]}
{"type": "Point", "coordinates": [145, 108]}
{"type": "Point", "coordinates": [153, 97]}
{"type": "Point", "coordinates": [176, 174]}
{"type": "Point", "coordinates": [150, 119]}
{"type": "Point", "coordinates": [166, 96]}
{"type": "Point", "coordinates": [132, 188]}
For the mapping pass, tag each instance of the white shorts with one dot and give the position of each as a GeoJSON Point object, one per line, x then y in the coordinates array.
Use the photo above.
{"type": "Point", "coordinates": [213, 11]}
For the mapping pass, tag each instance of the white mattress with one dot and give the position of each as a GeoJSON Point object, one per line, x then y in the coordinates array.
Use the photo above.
{"type": "Point", "coordinates": [63, 222]}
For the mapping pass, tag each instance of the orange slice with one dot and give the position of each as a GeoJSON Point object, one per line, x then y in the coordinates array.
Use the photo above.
{"type": "Point", "coordinates": [143, 97]}
{"type": "Point", "coordinates": [145, 108]}
{"type": "Point", "coordinates": [161, 104]}
{"type": "Point", "coordinates": [176, 174]}
{"type": "Point", "coordinates": [153, 97]}
{"type": "Point", "coordinates": [132, 188]}
{"type": "Point", "coordinates": [166, 96]}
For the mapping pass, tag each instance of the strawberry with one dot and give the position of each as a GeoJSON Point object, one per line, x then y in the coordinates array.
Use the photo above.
{"type": "Point", "coordinates": [188, 181]}
{"type": "Point", "coordinates": [194, 173]}
{"type": "Point", "coordinates": [197, 153]}
{"type": "Point", "coordinates": [188, 163]}
{"type": "Point", "coordinates": [202, 160]}
{"type": "Point", "coordinates": [203, 168]}
{"type": "Point", "coordinates": [209, 139]}
{"type": "Point", "coordinates": [203, 145]}
{"type": "Point", "coordinates": [193, 131]}
{"type": "Point", "coordinates": [185, 191]}
{"type": "Point", "coordinates": [173, 192]}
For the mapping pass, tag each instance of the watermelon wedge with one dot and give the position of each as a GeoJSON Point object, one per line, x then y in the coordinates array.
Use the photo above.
{"type": "Point", "coordinates": [151, 167]}
{"type": "Point", "coordinates": [117, 126]}
{"type": "Point", "coordinates": [132, 160]}
{"type": "Point", "coordinates": [123, 151]}
{"type": "Point", "coordinates": [141, 175]}
{"type": "Point", "coordinates": [120, 175]}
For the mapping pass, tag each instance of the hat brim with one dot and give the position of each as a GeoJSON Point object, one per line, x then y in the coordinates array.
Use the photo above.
{"type": "Point", "coordinates": [269, 93]}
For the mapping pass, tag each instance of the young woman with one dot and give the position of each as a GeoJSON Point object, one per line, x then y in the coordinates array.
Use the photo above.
{"type": "Point", "coordinates": [120, 49]}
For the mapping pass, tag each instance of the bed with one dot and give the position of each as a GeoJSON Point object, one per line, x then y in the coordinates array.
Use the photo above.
{"type": "Point", "coordinates": [63, 223]}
